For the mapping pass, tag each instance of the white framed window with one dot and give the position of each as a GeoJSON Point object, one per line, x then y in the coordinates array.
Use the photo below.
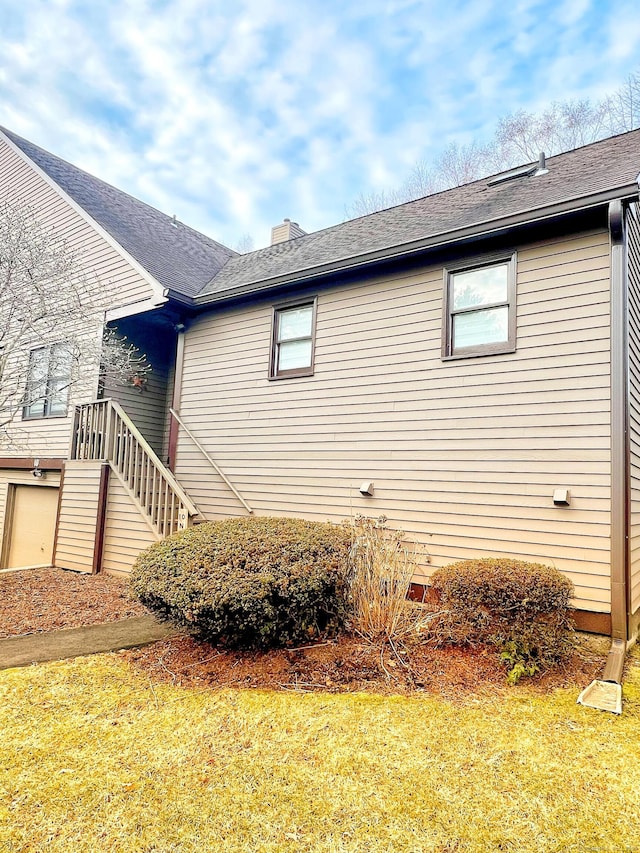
{"type": "Point", "coordinates": [48, 381]}
{"type": "Point", "coordinates": [479, 308]}
{"type": "Point", "coordinates": [293, 340]}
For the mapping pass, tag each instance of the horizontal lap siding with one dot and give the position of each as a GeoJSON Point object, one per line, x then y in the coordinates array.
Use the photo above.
{"type": "Point", "coordinates": [126, 533]}
{"type": "Point", "coordinates": [147, 405]}
{"type": "Point", "coordinates": [9, 477]}
{"type": "Point", "coordinates": [113, 274]}
{"type": "Point", "coordinates": [464, 455]}
{"type": "Point", "coordinates": [634, 406]}
{"type": "Point", "coordinates": [78, 516]}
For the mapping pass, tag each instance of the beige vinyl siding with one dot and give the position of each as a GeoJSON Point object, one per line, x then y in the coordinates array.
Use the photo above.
{"type": "Point", "coordinates": [78, 516]}
{"type": "Point", "coordinates": [116, 277]}
{"type": "Point", "coordinates": [47, 437]}
{"type": "Point", "coordinates": [464, 455]}
{"type": "Point", "coordinates": [19, 180]}
{"type": "Point", "coordinates": [10, 477]}
{"type": "Point", "coordinates": [148, 406]}
{"type": "Point", "coordinates": [634, 404]}
{"type": "Point", "coordinates": [126, 533]}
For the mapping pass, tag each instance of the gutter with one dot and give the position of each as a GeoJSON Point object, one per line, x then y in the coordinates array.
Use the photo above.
{"type": "Point", "coordinates": [412, 247]}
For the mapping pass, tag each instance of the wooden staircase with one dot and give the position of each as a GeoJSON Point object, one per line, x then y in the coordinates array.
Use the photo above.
{"type": "Point", "coordinates": [102, 431]}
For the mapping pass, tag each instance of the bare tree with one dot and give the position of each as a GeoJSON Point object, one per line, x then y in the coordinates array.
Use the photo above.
{"type": "Point", "coordinates": [245, 244]}
{"type": "Point", "coordinates": [624, 105]}
{"type": "Point", "coordinates": [52, 331]}
{"type": "Point", "coordinates": [519, 138]}
{"type": "Point", "coordinates": [566, 125]}
{"type": "Point", "coordinates": [370, 202]}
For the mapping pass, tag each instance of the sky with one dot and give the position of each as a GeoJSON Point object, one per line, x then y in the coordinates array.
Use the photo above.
{"type": "Point", "coordinates": [235, 115]}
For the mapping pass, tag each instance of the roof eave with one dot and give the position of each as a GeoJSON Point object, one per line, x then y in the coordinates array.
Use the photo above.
{"type": "Point", "coordinates": [435, 241]}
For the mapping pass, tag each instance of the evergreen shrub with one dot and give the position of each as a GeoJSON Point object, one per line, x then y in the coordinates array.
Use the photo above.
{"type": "Point", "coordinates": [249, 582]}
{"type": "Point", "coordinates": [521, 608]}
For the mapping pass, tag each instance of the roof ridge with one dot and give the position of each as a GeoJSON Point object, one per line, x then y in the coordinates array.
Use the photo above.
{"type": "Point", "coordinates": [180, 258]}
{"type": "Point", "coordinates": [169, 218]}
{"type": "Point", "coordinates": [606, 167]}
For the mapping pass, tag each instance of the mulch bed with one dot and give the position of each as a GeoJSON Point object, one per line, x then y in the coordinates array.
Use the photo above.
{"type": "Point", "coordinates": [50, 599]}
{"type": "Point", "coordinates": [349, 665]}
{"type": "Point", "coordinates": [39, 600]}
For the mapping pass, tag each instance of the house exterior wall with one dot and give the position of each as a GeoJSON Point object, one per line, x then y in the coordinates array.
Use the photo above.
{"type": "Point", "coordinates": [115, 276]}
{"type": "Point", "coordinates": [125, 532]}
{"type": "Point", "coordinates": [148, 404]}
{"type": "Point", "coordinates": [633, 278]}
{"type": "Point", "coordinates": [465, 454]}
{"type": "Point", "coordinates": [78, 515]}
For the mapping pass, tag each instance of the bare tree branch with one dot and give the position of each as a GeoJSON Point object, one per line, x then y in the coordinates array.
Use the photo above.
{"type": "Point", "coordinates": [51, 322]}
{"type": "Point", "coordinates": [519, 138]}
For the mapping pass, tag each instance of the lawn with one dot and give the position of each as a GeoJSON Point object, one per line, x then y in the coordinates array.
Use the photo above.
{"type": "Point", "coordinates": [96, 757]}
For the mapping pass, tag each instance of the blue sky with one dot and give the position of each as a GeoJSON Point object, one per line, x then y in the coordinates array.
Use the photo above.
{"type": "Point", "coordinates": [235, 115]}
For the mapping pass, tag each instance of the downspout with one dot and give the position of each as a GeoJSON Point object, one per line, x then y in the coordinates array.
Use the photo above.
{"type": "Point", "coordinates": [175, 399]}
{"type": "Point", "coordinates": [605, 693]}
{"type": "Point", "coordinates": [619, 447]}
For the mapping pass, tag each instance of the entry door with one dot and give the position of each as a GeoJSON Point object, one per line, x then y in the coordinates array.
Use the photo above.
{"type": "Point", "coordinates": [32, 526]}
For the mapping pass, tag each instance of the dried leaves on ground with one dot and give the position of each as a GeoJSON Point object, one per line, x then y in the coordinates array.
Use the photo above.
{"type": "Point", "coordinates": [50, 599]}
{"type": "Point", "coordinates": [350, 664]}
{"type": "Point", "coordinates": [38, 600]}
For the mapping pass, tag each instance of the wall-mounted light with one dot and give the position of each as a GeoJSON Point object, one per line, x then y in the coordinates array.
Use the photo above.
{"type": "Point", "coordinates": [562, 497]}
{"type": "Point", "coordinates": [366, 488]}
{"type": "Point", "coordinates": [37, 472]}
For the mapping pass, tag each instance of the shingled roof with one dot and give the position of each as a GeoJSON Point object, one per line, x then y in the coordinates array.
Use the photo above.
{"type": "Point", "coordinates": [193, 266]}
{"type": "Point", "coordinates": [178, 257]}
{"type": "Point", "coordinates": [581, 178]}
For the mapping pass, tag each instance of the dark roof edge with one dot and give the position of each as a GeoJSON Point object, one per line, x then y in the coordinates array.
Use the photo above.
{"type": "Point", "coordinates": [444, 238]}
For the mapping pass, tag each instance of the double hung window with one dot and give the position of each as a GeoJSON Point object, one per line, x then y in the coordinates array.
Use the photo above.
{"type": "Point", "coordinates": [480, 309]}
{"type": "Point", "coordinates": [48, 380]}
{"type": "Point", "coordinates": [292, 342]}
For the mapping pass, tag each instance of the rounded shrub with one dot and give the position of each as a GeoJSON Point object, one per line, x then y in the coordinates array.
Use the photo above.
{"type": "Point", "coordinates": [249, 582]}
{"type": "Point", "coordinates": [520, 607]}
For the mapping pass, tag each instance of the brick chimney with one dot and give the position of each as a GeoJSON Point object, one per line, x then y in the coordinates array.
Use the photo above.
{"type": "Point", "coordinates": [287, 231]}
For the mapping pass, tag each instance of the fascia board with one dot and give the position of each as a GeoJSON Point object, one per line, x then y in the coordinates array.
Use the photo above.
{"type": "Point", "coordinates": [437, 241]}
{"type": "Point", "coordinates": [133, 308]}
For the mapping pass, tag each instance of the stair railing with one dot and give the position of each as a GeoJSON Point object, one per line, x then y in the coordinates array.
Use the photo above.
{"type": "Point", "coordinates": [103, 431]}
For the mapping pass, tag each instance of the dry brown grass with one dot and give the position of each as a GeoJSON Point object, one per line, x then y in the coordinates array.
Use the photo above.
{"type": "Point", "coordinates": [95, 758]}
{"type": "Point", "coordinates": [382, 566]}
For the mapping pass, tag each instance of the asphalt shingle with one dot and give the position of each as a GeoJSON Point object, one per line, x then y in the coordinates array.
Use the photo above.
{"type": "Point", "coordinates": [610, 165]}
{"type": "Point", "coordinates": [193, 265]}
{"type": "Point", "coordinates": [177, 256]}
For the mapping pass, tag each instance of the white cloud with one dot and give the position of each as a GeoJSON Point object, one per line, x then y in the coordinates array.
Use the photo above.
{"type": "Point", "coordinates": [235, 115]}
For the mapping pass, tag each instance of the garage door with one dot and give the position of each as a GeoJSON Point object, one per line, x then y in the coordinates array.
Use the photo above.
{"type": "Point", "coordinates": [32, 524]}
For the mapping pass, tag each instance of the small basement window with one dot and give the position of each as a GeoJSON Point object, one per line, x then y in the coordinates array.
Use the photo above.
{"type": "Point", "coordinates": [293, 339]}
{"type": "Point", "coordinates": [480, 308]}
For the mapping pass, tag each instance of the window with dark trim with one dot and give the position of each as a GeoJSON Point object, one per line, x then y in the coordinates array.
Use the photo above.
{"type": "Point", "coordinates": [293, 339]}
{"type": "Point", "coordinates": [480, 308]}
{"type": "Point", "coordinates": [48, 380]}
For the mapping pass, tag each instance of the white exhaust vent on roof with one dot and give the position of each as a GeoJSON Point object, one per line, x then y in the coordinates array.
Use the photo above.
{"type": "Point", "coordinates": [534, 169]}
